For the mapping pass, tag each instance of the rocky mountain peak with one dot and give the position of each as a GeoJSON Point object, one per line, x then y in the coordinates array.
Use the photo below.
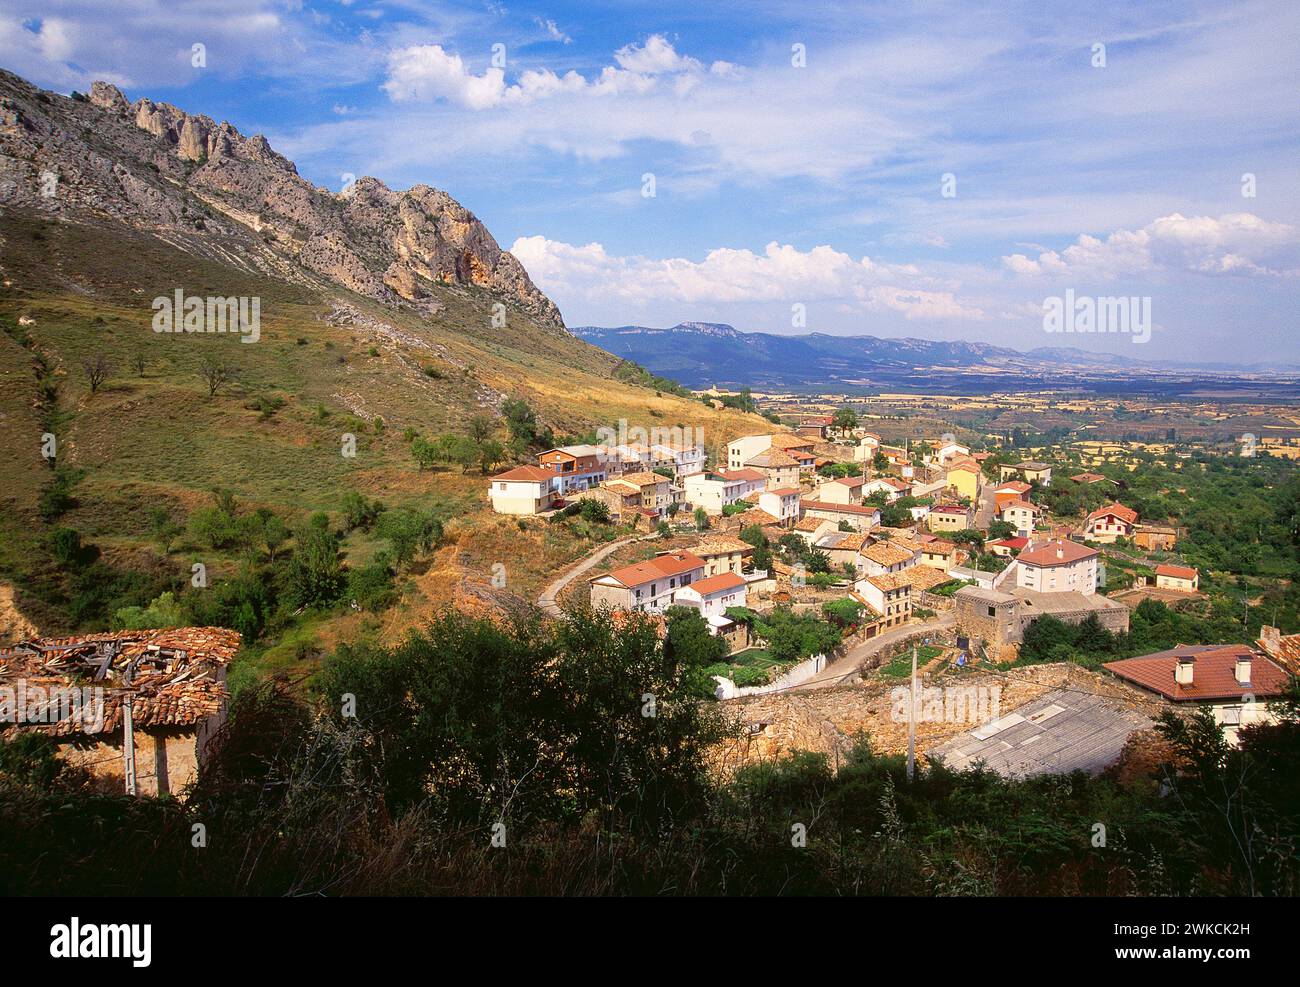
{"type": "Point", "coordinates": [158, 167]}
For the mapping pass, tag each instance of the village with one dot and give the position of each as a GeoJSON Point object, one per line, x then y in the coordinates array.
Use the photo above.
{"type": "Point", "coordinates": [926, 543]}
{"type": "Point", "coordinates": [820, 560]}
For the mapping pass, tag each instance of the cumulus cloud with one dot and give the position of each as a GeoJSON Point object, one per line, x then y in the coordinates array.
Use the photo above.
{"type": "Point", "coordinates": [430, 72]}
{"type": "Point", "coordinates": [781, 273]}
{"type": "Point", "coordinates": [1235, 243]}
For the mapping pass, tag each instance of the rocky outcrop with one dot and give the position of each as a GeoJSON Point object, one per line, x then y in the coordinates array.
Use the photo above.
{"type": "Point", "coordinates": [157, 167]}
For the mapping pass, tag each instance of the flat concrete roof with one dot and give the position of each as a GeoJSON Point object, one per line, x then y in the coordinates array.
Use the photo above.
{"type": "Point", "coordinates": [1057, 733]}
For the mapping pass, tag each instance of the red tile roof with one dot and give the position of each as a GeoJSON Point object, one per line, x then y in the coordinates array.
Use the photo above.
{"type": "Point", "coordinates": [534, 473]}
{"type": "Point", "coordinates": [822, 505]}
{"type": "Point", "coordinates": [717, 584]}
{"type": "Point", "coordinates": [1056, 553]}
{"type": "Point", "coordinates": [1177, 571]}
{"type": "Point", "coordinates": [1214, 675]}
{"type": "Point", "coordinates": [1125, 514]}
{"type": "Point", "coordinates": [660, 567]}
{"type": "Point", "coordinates": [753, 476]}
{"type": "Point", "coordinates": [1013, 543]}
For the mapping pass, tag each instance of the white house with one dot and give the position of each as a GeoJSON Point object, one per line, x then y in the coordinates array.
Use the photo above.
{"type": "Point", "coordinates": [523, 490]}
{"type": "Point", "coordinates": [1055, 567]}
{"type": "Point", "coordinates": [713, 594]}
{"type": "Point", "coordinates": [713, 491]}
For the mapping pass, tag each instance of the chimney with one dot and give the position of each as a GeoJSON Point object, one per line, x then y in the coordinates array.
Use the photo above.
{"type": "Point", "coordinates": [1271, 639]}
{"type": "Point", "coordinates": [1243, 669]}
{"type": "Point", "coordinates": [1183, 671]}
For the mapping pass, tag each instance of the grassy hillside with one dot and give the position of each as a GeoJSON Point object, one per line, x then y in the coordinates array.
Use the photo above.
{"type": "Point", "coordinates": [328, 363]}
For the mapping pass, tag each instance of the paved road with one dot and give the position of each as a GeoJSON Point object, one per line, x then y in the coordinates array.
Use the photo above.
{"type": "Point", "coordinates": [547, 601]}
{"type": "Point", "coordinates": [845, 669]}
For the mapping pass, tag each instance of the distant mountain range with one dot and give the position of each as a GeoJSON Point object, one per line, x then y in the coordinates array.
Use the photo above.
{"type": "Point", "coordinates": [699, 354]}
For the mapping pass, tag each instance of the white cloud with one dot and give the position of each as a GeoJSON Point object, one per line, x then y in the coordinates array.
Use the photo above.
{"type": "Point", "coordinates": [780, 274]}
{"type": "Point", "coordinates": [429, 72]}
{"type": "Point", "coordinates": [1232, 244]}
{"type": "Point", "coordinates": [552, 31]}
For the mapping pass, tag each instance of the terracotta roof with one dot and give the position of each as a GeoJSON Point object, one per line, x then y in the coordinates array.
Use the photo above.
{"type": "Point", "coordinates": [755, 515]}
{"type": "Point", "coordinates": [1177, 571]}
{"type": "Point", "coordinates": [660, 567]}
{"type": "Point", "coordinates": [717, 584]}
{"type": "Point", "coordinates": [721, 545]}
{"type": "Point", "coordinates": [843, 541]}
{"type": "Point", "coordinates": [176, 676]}
{"type": "Point", "coordinates": [753, 476]}
{"type": "Point", "coordinates": [940, 547]}
{"type": "Point", "coordinates": [923, 577]}
{"type": "Point", "coordinates": [1013, 543]}
{"type": "Point", "coordinates": [890, 581]}
{"type": "Point", "coordinates": [822, 505]}
{"type": "Point", "coordinates": [886, 553]}
{"type": "Point", "coordinates": [1087, 477]}
{"type": "Point", "coordinates": [950, 509]}
{"type": "Point", "coordinates": [1019, 486]}
{"type": "Point", "coordinates": [1058, 552]}
{"type": "Point", "coordinates": [1023, 504]}
{"type": "Point", "coordinates": [811, 523]}
{"type": "Point", "coordinates": [772, 458]}
{"type": "Point", "coordinates": [848, 481]}
{"type": "Point", "coordinates": [643, 479]}
{"type": "Point", "coordinates": [534, 473]}
{"type": "Point", "coordinates": [1125, 514]}
{"type": "Point", "coordinates": [965, 465]}
{"type": "Point", "coordinates": [1213, 673]}
{"type": "Point", "coordinates": [785, 491]}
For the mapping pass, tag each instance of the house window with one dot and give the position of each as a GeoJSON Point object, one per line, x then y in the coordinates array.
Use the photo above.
{"type": "Point", "coordinates": [992, 612]}
{"type": "Point", "coordinates": [1231, 716]}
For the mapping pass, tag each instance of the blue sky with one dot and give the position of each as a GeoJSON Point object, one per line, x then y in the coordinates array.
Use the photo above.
{"type": "Point", "coordinates": [783, 188]}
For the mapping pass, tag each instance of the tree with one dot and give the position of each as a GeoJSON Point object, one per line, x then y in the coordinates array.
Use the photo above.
{"type": "Point", "coordinates": [359, 512]}
{"type": "Point", "coordinates": [315, 572]}
{"type": "Point", "coordinates": [138, 363]}
{"type": "Point", "coordinates": [462, 450]}
{"type": "Point", "coordinates": [521, 420]}
{"type": "Point", "coordinates": [845, 419]}
{"type": "Point", "coordinates": [490, 452]}
{"type": "Point", "coordinates": [701, 519]}
{"type": "Point", "coordinates": [408, 533]}
{"type": "Point", "coordinates": [688, 640]}
{"type": "Point", "coordinates": [1001, 529]}
{"type": "Point", "coordinates": [594, 510]}
{"type": "Point", "coordinates": [425, 453]}
{"type": "Point", "coordinates": [481, 427]}
{"type": "Point", "coordinates": [97, 370]}
{"type": "Point", "coordinates": [216, 373]}
{"type": "Point", "coordinates": [529, 720]}
{"type": "Point", "coordinates": [164, 529]}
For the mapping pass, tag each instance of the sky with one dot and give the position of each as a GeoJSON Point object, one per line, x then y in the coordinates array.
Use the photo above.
{"type": "Point", "coordinates": [937, 170]}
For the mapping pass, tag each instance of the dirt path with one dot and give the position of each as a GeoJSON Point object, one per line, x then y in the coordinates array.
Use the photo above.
{"type": "Point", "coordinates": [13, 625]}
{"type": "Point", "coordinates": [548, 600]}
{"type": "Point", "coordinates": [843, 670]}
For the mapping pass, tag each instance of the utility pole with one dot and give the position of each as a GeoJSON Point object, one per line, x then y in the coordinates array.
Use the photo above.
{"type": "Point", "coordinates": [128, 733]}
{"type": "Point", "coordinates": [911, 722]}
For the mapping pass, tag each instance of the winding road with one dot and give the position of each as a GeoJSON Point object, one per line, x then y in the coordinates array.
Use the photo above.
{"type": "Point", "coordinates": [548, 601]}
{"type": "Point", "coordinates": [845, 668]}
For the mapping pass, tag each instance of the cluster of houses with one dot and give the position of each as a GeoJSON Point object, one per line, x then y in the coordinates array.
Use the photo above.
{"type": "Point", "coordinates": [773, 481]}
